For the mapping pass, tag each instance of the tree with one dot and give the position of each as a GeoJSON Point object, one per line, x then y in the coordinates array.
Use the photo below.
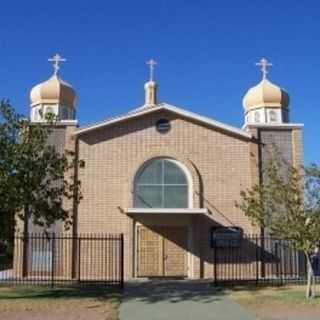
{"type": "Point", "coordinates": [35, 179]}
{"type": "Point", "coordinates": [287, 203]}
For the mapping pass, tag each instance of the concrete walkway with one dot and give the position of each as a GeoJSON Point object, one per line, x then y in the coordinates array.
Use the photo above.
{"type": "Point", "coordinates": [178, 300]}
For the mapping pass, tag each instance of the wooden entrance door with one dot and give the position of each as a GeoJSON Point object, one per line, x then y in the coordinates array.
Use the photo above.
{"type": "Point", "coordinates": [162, 251]}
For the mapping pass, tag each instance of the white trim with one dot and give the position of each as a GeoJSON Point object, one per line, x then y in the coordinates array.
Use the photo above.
{"type": "Point", "coordinates": [166, 211]}
{"type": "Point", "coordinates": [68, 122]}
{"type": "Point", "coordinates": [274, 125]}
{"type": "Point", "coordinates": [57, 123]}
{"type": "Point", "coordinates": [164, 106]}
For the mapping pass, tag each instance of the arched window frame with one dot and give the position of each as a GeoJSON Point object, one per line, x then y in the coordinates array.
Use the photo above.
{"type": "Point", "coordinates": [178, 164]}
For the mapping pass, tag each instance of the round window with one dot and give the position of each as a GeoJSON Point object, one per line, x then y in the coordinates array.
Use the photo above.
{"type": "Point", "coordinates": [163, 125]}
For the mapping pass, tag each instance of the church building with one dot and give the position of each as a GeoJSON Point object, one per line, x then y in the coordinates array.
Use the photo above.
{"type": "Point", "coordinates": [165, 177]}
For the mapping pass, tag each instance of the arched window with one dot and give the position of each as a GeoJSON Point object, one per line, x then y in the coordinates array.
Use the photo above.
{"type": "Point", "coordinates": [161, 183]}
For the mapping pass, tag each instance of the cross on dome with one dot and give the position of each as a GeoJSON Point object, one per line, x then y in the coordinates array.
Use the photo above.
{"type": "Point", "coordinates": [264, 64]}
{"type": "Point", "coordinates": [56, 59]}
{"type": "Point", "coordinates": [151, 63]}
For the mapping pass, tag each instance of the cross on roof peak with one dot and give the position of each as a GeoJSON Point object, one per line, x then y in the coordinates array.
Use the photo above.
{"type": "Point", "coordinates": [151, 63]}
{"type": "Point", "coordinates": [56, 59]}
{"type": "Point", "coordinates": [264, 64]}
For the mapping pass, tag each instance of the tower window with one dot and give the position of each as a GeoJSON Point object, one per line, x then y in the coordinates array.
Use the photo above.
{"type": "Point", "coordinates": [49, 110]}
{"type": "Point", "coordinates": [257, 116]}
{"type": "Point", "coordinates": [273, 116]}
{"type": "Point", "coordinates": [36, 114]}
{"type": "Point", "coordinates": [64, 113]}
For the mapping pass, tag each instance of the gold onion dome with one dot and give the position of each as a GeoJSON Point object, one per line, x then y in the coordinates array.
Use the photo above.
{"type": "Point", "coordinates": [53, 91]}
{"type": "Point", "coordinates": [265, 94]}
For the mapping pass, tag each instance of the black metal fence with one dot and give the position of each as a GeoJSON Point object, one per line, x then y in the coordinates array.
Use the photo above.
{"type": "Point", "coordinates": [53, 259]}
{"type": "Point", "coordinates": [259, 259]}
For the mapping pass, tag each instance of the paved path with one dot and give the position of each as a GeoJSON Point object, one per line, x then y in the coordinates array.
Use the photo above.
{"type": "Point", "coordinates": [178, 300]}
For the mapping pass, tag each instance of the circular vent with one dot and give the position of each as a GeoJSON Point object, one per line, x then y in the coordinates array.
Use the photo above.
{"type": "Point", "coordinates": [163, 125]}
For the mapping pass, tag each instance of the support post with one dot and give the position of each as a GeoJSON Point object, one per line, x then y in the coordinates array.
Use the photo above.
{"type": "Point", "coordinates": [122, 261]}
{"type": "Point", "coordinates": [53, 253]}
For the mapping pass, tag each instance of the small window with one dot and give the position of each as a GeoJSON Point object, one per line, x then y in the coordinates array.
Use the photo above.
{"type": "Point", "coordinates": [49, 111]}
{"type": "Point", "coordinates": [36, 114]}
{"type": "Point", "coordinates": [64, 113]}
{"type": "Point", "coordinates": [163, 125]}
{"type": "Point", "coordinates": [226, 237]}
{"type": "Point", "coordinates": [273, 116]}
{"type": "Point", "coordinates": [285, 116]}
{"type": "Point", "coordinates": [257, 116]}
{"type": "Point", "coordinates": [41, 260]}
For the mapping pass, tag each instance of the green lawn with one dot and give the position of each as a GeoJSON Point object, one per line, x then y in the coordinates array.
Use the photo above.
{"type": "Point", "coordinates": [58, 303]}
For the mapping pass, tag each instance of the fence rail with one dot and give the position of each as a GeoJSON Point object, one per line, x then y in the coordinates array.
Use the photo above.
{"type": "Point", "coordinates": [259, 259]}
{"type": "Point", "coordinates": [64, 259]}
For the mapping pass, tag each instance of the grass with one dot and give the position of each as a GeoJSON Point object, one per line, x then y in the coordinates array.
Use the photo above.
{"type": "Point", "coordinates": [286, 295]}
{"type": "Point", "coordinates": [41, 299]}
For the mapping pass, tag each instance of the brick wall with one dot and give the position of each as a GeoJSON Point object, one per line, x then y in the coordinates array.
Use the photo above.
{"type": "Point", "coordinates": [220, 165]}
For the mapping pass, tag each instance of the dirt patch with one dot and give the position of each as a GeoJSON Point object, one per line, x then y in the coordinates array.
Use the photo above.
{"type": "Point", "coordinates": [16, 304]}
{"type": "Point", "coordinates": [277, 303]}
{"type": "Point", "coordinates": [71, 310]}
{"type": "Point", "coordinates": [285, 312]}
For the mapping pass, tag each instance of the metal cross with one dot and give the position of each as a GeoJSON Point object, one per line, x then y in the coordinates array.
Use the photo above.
{"type": "Point", "coordinates": [56, 59]}
{"type": "Point", "coordinates": [264, 64]}
{"type": "Point", "coordinates": [151, 63]}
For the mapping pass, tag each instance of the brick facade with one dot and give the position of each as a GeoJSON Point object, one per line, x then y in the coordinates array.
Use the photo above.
{"type": "Point", "coordinates": [220, 165]}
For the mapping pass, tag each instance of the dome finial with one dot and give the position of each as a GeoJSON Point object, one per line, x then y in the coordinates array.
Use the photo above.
{"type": "Point", "coordinates": [150, 87]}
{"type": "Point", "coordinates": [264, 64]}
{"type": "Point", "coordinates": [151, 63]}
{"type": "Point", "coordinates": [56, 59]}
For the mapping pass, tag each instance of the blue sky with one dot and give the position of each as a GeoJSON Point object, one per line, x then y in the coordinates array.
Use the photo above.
{"type": "Point", "coordinates": [206, 52]}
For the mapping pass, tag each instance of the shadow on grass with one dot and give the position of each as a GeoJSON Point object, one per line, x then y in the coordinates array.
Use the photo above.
{"type": "Point", "coordinates": [204, 291]}
{"type": "Point", "coordinates": [154, 291]}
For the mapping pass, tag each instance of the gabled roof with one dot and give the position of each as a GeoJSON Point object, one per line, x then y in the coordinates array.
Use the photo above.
{"type": "Point", "coordinates": [167, 107]}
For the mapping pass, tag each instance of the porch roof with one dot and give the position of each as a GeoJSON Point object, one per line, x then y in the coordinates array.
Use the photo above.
{"type": "Point", "coordinates": [132, 211]}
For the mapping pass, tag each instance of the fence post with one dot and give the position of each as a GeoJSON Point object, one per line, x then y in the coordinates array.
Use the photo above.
{"type": "Point", "coordinates": [257, 260]}
{"type": "Point", "coordinates": [79, 259]}
{"type": "Point", "coordinates": [25, 251]}
{"type": "Point", "coordinates": [122, 261]}
{"type": "Point", "coordinates": [262, 249]}
{"type": "Point", "coordinates": [280, 258]}
{"type": "Point", "coordinates": [215, 263]}
{"type": "Point", "coordinates": [53, 253]}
